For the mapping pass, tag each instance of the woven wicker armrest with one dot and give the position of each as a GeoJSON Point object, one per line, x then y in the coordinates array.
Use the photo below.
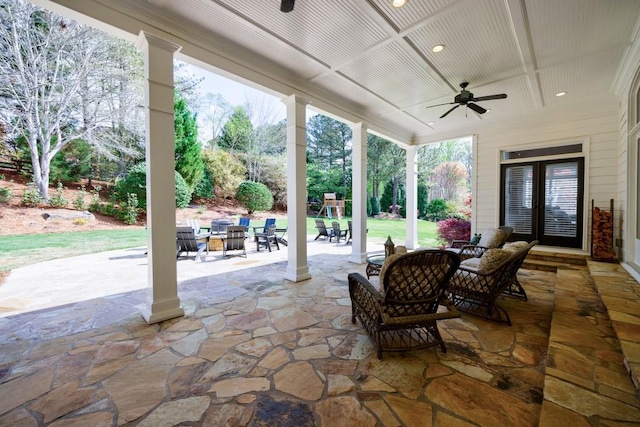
{"type": "Point", "coordinates": [362, 288]}
{"type": "Point", "coordinates": [459, 243]}
{"type": "Point", "coordinates": [472, 251]}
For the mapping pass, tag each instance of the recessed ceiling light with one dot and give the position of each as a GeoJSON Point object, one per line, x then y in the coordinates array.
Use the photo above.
{"type": "Point", "coordinates": [431, 123]}
{"type": "Point", "coordinates": [398, 3]}
{"type": "Point", "coordinates": [437, 48]}
{"type": "Point", "coordinates": [561, 93]}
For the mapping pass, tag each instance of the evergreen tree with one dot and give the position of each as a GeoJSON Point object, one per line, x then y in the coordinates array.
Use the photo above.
{"type": "Point", "coordinates": [188, 151]}
{"type": "Point", "coordinates": [237, 133]}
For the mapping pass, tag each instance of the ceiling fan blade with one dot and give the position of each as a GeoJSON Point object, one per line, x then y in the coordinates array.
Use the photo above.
{"type": "Point", "coordinates": [475, 107]}
{"type": "Point", "coordinates": [438, 105]}
{"type": "Point", "coordinates": [489, 97]}
{"type": "Point", "coordinates": [447, 113]}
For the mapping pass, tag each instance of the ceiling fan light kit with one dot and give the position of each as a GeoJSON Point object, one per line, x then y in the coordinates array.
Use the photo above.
{"type": "Point", "coordinates": [287, 5]}
{"type": "Point", "coordinates": [467, 99]}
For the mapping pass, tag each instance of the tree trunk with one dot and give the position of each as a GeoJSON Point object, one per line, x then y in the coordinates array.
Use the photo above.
{"type": "Point", "coordinates": [394, 203]}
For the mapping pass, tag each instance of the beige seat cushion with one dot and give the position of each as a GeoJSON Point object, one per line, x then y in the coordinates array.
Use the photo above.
{"type": "Point", "coordinates": [515, 246]}
{"type": "Point", "coordinates": [492, 258]}
{"type": "Point", "coordinates": [472, 263]}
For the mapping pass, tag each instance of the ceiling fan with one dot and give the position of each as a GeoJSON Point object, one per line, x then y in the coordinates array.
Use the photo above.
{"type": "Point", "coordinates": [466, 98]}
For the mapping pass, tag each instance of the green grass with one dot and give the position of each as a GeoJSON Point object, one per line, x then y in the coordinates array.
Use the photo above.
{"type": "Point", "coordinates": [20, 250]}
{"type": "Point", "coordinates": [378, 229]}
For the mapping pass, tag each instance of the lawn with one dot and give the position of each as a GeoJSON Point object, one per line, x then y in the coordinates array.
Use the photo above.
{"type": "Point", "coordinates": [20, 250]}
{"type": "Point", "coordinates": [24, 249]}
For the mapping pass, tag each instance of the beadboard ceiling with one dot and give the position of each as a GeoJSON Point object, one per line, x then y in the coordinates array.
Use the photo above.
{"type": "Point", "coordinates": [375, 61]}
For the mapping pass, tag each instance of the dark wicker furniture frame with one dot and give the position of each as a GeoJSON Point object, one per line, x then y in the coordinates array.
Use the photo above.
{"type": "Point", "coordinates": [404, 316]}
{"type": "Point", "coordinates": [476, 292]}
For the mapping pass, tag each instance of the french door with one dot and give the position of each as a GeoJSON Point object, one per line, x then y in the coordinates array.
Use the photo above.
{"type": "Point", "coordinates": [543, 201]}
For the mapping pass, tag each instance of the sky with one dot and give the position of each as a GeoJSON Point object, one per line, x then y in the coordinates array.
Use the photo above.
{"type": "Point", "coordinates": [234, 93]}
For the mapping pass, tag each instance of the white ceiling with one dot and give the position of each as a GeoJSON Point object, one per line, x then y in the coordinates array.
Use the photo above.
{"type": "Point", "coordinates": [375, 61]}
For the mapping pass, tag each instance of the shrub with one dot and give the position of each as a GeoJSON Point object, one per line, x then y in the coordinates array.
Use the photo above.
{"type": "Point", "coordinates": [31, 196]}
{"type": "Point", "coordinates": [79, 221]}
{"type": "Point", "coordinates": [368, 206]}
{"type": "Point", "coordinates": [129, 211]}
{"type": "Point", "coordinates": [78, 202]}
{"type": "Point", "coordinates": [5, 195]}
{"type": "Point", "coordinates": [225, 171]}
{"type": "Point", "coordinates": [204, 189]}
{"type": "Point", "coordinates": [58, 200]}
{"type": "Point", "coordinates": [436, 210]}
{"type": "Point", "coordinates": [254, 196]}
{"type": "Point", "coordinates": [94, 204]}
{"type": "Point", "coordinates": [183, 193]}
{"type": "Point", "coordinates": [109, 209]}
{"type": "Point", "coordinates": [453, 229]}
{"type": "Point", "coordinates": [423, 194]}
{"type": "Point", "coordinates": [136, 182]}
{"type": "Point", "coordinates": [375, 206]}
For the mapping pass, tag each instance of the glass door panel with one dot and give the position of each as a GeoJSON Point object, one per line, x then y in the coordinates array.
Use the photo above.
{"type": "Point", "coordinates": [544, 201]}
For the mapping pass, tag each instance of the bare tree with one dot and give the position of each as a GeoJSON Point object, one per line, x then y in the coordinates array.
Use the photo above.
{"type": "Point", "coordinates": [213, 112]}
{"type": "Point", "coordinates": [46, 65]}
{"type": "Point", "coordinates": [450, 178]}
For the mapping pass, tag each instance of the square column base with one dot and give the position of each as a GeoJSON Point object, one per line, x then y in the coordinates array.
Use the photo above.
{"type": "Point", "coordinates": [358, 258]}
{"type": "Point", "coordinates": [159, 311]}
{"type": "Point", "coordinates": [297, 274]}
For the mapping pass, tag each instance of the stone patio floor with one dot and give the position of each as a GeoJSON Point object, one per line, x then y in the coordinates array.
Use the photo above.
{"type": "Point", "coordinates": [256, 350]}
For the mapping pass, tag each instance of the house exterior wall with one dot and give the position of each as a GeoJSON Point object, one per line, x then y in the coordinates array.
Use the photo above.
{"type": "Point", "coordinates": [623, 172]}
{"type": "Point", "coordinates": [597, 127]}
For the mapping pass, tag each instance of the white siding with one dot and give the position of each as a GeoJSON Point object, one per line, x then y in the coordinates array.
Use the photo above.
{"type": "Point", "coordinates": [600, 131]}
{"type": "Point", "coordinates": [621, 202]}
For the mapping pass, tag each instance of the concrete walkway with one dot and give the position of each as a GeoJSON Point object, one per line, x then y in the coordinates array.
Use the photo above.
{"type": "Point", "coordinates": [68, 280]}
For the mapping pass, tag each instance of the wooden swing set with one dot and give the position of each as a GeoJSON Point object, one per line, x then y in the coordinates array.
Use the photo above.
{"type": "Point", "coordinates": [332, 206]}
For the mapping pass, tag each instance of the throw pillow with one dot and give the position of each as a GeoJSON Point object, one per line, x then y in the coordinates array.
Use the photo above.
{"type": "Point", "coordinates": [491, 259]}
{"type": "Point", "coordinates": [383, 269]}
{"type": "Point", "coordinates": [492, 238]}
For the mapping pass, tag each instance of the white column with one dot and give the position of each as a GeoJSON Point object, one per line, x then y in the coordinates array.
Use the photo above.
{"type": "Point", "coordinates": [359, 193]}
{"type": "Point", "coordinates": [162, 292]}
{"type": "Point", "coordinates": [412, 197]}
{"type": "Point", "coordinates": [297, 266]}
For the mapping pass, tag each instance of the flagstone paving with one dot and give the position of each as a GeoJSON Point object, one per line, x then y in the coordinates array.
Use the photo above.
{"type": "Point", "coordinates": [256, 350]}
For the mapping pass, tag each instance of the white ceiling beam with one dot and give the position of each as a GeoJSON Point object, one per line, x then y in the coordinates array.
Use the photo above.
{"type": "Point", "coordinates": [521, 32]}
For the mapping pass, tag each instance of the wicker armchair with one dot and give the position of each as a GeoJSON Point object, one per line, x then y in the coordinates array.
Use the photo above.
{"type": "Point", "coordinates": [490, 238]}
{"type": "Point", "coordinates": [478, 282]}
{"type": "Point", "coordinates": [402, 315]}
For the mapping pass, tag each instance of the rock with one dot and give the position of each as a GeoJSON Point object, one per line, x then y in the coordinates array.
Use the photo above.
{"type": "Point", "coordinates": [72, 215]}
{"type": "Point", "coordinates": [177, 411]}
{"type": "Point", "coordinates": [344, 411]}
{"type": "Point", "coordinates": [300, 380]}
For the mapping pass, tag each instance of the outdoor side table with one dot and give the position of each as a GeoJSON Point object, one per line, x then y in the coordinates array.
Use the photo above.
{"type": "Point", "coordinates": [374, 265]}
